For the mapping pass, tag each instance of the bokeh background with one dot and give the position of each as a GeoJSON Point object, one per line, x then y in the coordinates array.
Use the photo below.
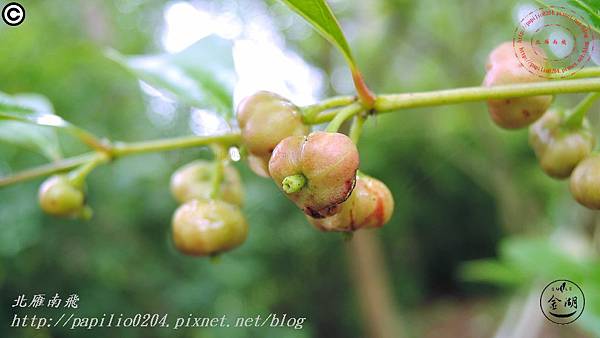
{"type": "Point", "coordinates": [464, 189]}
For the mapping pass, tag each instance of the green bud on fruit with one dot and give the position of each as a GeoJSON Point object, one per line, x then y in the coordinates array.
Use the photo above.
{"type": "Point", "coordinates": [265, 119]}
{"type": "Point", "coordinates": [370, 206]}
{"type": "Point", "coordinates": [327, 161]}
{"type": "Point", "coordinates": [193, 181]}
{"type": "Point", "coordinates": [504, 68]}
{"type": "Point", "coordinates": [560, 148]}
{"type": "Point", "coordinates": [59, 197]}
{"type": "Point", "coordinates": [208, 227]}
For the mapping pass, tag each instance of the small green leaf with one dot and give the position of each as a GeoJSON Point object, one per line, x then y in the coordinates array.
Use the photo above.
{"type": "Point", "coordinates": [588, 9]}
{"type": "Point", "coordinates": [22, 121]}
{"type": "Point", "coordinates": [321, 17]}
{"type": "Point", "coordinates": [29, 108]}
{"type": "Point", "coordinates": [590, 319]}
{"type": "Point", "coordinates": [201, 76]}
{"type": "Point", "coordinates": [490, 271]}
{"type": "Point", "coordinates": [527, 255]}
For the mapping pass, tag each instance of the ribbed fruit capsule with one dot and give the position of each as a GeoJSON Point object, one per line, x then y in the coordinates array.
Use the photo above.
{"type": "Point", "coordinates": [585, 182]}
{"type": "Point", "coordinates": [327, 161]}
{"type": "Point", "coordinates": [193, 181]}
{"type": "Point", "coordinates": [265, 119]}
{"type": "Point", "coordinates": [59, 197]}
{"type": "Point", "coordinates": [560, 148]}
{"type": "Point", "coordinates": [371, 205]}
{"type": "Point", "coordinates": [208, 227]}
{"type": "Point", "coordinates": [503, 68]}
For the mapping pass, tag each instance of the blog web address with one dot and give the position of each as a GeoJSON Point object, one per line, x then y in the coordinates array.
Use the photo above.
{"type": "Point", "coordinates": [155, 320]}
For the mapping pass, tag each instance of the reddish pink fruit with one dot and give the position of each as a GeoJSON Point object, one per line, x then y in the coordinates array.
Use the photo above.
{"type": "Point", "coordinates": [503, 68]}
{"type": "Point", "coordinates": [328, 162]}
{"type": "Point", "coordinates": [371, 205]}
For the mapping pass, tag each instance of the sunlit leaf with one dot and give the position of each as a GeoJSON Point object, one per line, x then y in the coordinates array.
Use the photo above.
{"type": "Point", "coordinates": [201, 76]}
{"type": "Point", "coordinates": [23, 121]}
{"type": "Point", "coordinates": [321, 17]}
{"type": "Point", "coordinates": [526, 255]}
{"type": "Point", "coordinates": [490, 271]}
{"type": "Point", "coordinates": [591, 317]}
{"type": "Point", "coordinates": [588, 9]}
{"type": "Point", "coordinates": [519, 262]}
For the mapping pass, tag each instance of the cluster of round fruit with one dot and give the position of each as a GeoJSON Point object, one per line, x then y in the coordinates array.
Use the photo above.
{"type": "Point", "coordinates": [206, 224]}
{"type": "Point", "coordinates": [563, 148]}
{"type": "Point", "coordinates": [317, 171]}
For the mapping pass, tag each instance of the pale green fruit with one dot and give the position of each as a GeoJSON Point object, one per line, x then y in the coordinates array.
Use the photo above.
{"type": "Point", "coordinates": [265, 119]}
{"type": "Point", "coordinates": [58, 197]}
{"type": "Point", "coordinates": [193, 181]}
{"type": "Point", "coordinates": [208, 227]}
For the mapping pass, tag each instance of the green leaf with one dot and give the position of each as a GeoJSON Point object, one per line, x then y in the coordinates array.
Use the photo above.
{"type": "Point", "coordinates": [29, 108]}
{"type": "Point", "coordinates": [321, 17]}
{"type": "Point", "coordinates": [590, 319]}
{"type": "Point", "coordinates": [542, 258]}
{"type": "Point", "coordinates": [22, 121]}
{"type": "Point", "coordinates": [490, 271]}
{"type": "Point", "coordinates": [201, 76]}
{"type": "Point", "coordinates": [588, 9]}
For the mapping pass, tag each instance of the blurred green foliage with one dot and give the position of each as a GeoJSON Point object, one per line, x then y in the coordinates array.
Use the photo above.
{"type": "Point", "coordinates": [460, 184]}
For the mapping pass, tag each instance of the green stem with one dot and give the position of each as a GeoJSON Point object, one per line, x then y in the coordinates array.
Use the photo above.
{"type": "Point", "coordinates": [309, 112]}
{"type": "Point", "coordinates": [77, 177]}
{"type": "Point", "coordinates": [218, 170]}
{"type": "Point", "coordinates": [586, 72]}
{"type": "Point", "coordinates": [394, 102]}
{"type": "Point", "coordinates": [383, 103]}
{"type": "Point", "coordinates": [366, 96]}
{"type": "Point", "coordinates": [88, 138]}
{"type": "Point", "coordinates": [123, 149]}
{"type": "Point", "coordinates": [293, 183]}
{"type": "Point", "coordinates": [342, 116]}
{"type": "Point", "coordinates": [391, 102]}
{"type": "Point", "coordinates": [356, 128]}
{"type": "Point", "coordinates": [330, 112]}
{"type": "Point", "coordinates": [47, 169]}
{"type": "Point", "coordinates": [577, 114]}
{"type": "Point", "coordinates": [453, 96]}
